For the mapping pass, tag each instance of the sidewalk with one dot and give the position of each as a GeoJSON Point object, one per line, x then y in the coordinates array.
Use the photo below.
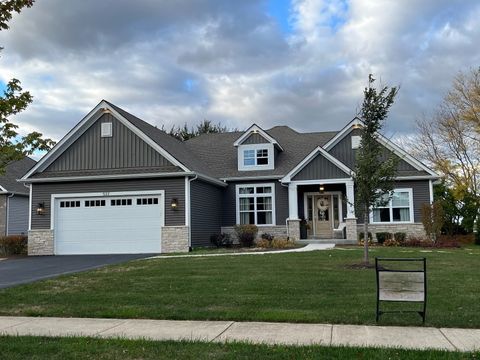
{"type": "Point", "coordinates": [253, 332]}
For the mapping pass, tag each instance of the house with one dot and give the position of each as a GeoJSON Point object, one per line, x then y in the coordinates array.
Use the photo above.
{"type": "Point", "coordinates": [14, 198]}
{"type": "Point", "coordinates": [116, 184]}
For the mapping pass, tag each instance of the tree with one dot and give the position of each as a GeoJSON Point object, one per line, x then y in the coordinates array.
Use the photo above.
{"type": "Point", "coordinates": [449, 140]}
{"type": "Point", "coordinates": [374, 176]}
{"type": "Point", "coordinates": [433, 219]}
{"type": "Point", "coordinates": [14, 147]}
{"type": "Point", "coordinates": [205, 127]}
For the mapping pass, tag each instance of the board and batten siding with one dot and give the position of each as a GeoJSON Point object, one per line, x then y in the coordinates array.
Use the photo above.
{"type": "Point", "coordinates": [206, 212]}
{"type": "Point", "coordinates": [255, 138]}
{"type": "Point", "coordinates": [17, 215]}
{"type": "Point", "coordinates": [421, 195]}
{"type": "Point", "coordinates": [320, 168]}
{"type": "Point", "coordinates": [343, 151]}
{"type": "Point", "coordinates": [174, 188]}
{"type": "Point", "coordinates": [230, 207]}
{"type": "Point", "coordinates": [123, 150]}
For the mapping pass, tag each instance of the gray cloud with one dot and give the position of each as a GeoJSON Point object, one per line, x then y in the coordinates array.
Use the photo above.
{"type": "Point", "coordinates": [180, 61]}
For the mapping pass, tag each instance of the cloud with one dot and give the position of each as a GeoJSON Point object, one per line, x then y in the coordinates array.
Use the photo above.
{"type": "Point", "coordinates": [236, 62]}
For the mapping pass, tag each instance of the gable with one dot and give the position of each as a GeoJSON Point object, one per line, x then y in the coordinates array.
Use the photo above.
{"type": "Point", "coordinates": [343, 151]}
{"type": "Point", "coordinates": [320, 168]}
{"type": "Point", "coordinates": [255, 138]}
{"type": "Point", "coordinates": [123, 150]}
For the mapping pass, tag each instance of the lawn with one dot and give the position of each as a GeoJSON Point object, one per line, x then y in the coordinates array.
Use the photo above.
{"type": "Point", "coordinates": [37, 348]}
{"type": "Point", "coordinates": [315, 287]}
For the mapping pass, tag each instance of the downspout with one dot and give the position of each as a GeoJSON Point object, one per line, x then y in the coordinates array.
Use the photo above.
{"type": "Point", "coordinates": [190, 211]}
{"type": "Point", "coordinates": [7, 213]}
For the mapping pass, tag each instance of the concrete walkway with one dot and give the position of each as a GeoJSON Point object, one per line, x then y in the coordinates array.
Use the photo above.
{"type": "Point", "coordinates": [309, 247]}
{"type": "Point", "coordinates": [253, 332]}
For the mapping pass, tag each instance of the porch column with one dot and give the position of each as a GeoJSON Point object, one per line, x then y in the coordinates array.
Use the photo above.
{"type": "Point", "coordinates": [351, 220]}
{"type": "Point", "coordinates": [293, 222]}
{"type": "Point", "coordinates": [292, 202]}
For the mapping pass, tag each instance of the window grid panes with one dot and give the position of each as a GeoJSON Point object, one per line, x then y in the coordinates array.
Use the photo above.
{"type": "Point", "coordinates": [398, 209]}
{"type": "Point", "coordinates": [256, 205]}
{"type": "Point", "coordinates": [255, 157]}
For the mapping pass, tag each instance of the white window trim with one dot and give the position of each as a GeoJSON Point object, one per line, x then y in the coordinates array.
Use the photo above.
{"type": "Point", "coordinates": [237, 201]}
{"type": "Point", "coordinates": [391, 222]}
{"type": "Point", "coordinates": [255, 147]}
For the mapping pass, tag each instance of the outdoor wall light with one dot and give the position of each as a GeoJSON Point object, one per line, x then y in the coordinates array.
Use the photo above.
{"type": "Point", "coordinates": [41, 209]}
{"type": "Point", "coordinates": [174, 204]}
{"type": "Point", "coordinates": [322, 188]}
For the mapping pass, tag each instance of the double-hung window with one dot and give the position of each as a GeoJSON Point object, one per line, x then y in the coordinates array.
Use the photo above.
{"type": "Point", "coordinates": [256, 204]}
{"type": "Point", "coordinates": [255, 157]}
{"type": "Point", "coordinates": [398, 209]}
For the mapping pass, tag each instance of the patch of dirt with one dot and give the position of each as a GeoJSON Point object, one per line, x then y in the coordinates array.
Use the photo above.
{"type": "Point", "coordinates": [360, 266]}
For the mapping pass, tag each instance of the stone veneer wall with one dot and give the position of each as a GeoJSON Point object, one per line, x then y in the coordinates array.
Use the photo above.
{"type": "Point", "coordinates": [351, 229]}
{"type": "Point", "coordinates": [40, 242]}
{"type": "Point", "coordinates": [415, 229]}
{"type": "Point", "coordinates": [294, 229]}
{"type": "Point", "coordinates": [175, 239]}
{"type": "Point", "coordinates": [277, 231]}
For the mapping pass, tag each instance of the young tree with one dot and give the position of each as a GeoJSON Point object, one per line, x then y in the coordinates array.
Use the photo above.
{"type": "Point", "coordinates": [374, 176]}
{"type": "Point", "coordinates": [14, 147]}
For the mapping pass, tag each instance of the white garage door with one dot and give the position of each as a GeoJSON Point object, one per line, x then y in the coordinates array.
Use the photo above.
{"type": "Point", "coordinates": [108, 224]}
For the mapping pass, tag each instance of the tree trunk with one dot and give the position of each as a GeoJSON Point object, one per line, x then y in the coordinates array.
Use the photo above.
{"type": "Point", "coordinates": [365, 235]}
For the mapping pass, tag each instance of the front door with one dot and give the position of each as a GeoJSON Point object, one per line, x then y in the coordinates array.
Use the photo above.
{"type": "Point", "coordinates": [322, 216]}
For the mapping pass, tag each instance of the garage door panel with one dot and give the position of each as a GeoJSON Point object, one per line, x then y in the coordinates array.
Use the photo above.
{"type": "Point", "coordinates": [102, 225]}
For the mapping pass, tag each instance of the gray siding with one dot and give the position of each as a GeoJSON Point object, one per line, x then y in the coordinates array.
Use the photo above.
{"type": "Point", "coordinates": [343, 151]}
{"type": "Point", "coordinates": [206, 212]}
{"type": "Point", "coordinates": [255, 138]}
{"type": "Point", "coordinates": [174, 188]}
{"type": "Point", "coordinates": [421, 195]}
{"type": "Point", "coordinates": [17, 215]}
{"type": "Point", "coordinates": [320, 168]}
{"type": "Point", "coordinates": [230, 206]}
{"type": "Point", "coordinates": [123, 150]}
{"type": "Point", "coordinates": [3, 214]}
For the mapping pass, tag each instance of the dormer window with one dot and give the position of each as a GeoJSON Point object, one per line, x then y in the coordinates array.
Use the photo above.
{"type": "Point", "coordinates": [255, 157]}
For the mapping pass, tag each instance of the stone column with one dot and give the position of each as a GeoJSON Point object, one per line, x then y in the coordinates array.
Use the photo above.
{"type": "Point", "coordinates": [294, 229]}
{"type": "Point", "coordinates": [351, 227]}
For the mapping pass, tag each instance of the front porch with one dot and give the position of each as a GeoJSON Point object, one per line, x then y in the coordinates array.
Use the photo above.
{"type": "Point", "coordinates": [322, 210]}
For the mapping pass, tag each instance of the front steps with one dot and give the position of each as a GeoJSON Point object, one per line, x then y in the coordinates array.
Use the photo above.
{"type": "Point", "coordinates": [327, 241]}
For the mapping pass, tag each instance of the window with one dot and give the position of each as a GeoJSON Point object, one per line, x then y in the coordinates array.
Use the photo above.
{"type": "Point", "coordinates": [120, 202]}
{"type": "Point", "coordinates": [255, 157]}
{"type": "Point", "coordinates": [255, 204]}
{"type": "Point", "coordinates": [398, 209]}
{"type": "Point", "coordinates": [94, 203]}
{"type": "Point", "coordinates": [147, 201]}
{"type": "Point", "coordinates": [69, 204]}
{"type": "Point", "coordinates": [106, 129]}
{"type": "Point", "coordinates": [356, 141]}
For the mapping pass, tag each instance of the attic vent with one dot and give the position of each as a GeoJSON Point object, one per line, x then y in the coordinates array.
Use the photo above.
{"type": "Point", "coordinates": [107, 129]}
{"type": "Point", "coordinates": [356, 141]}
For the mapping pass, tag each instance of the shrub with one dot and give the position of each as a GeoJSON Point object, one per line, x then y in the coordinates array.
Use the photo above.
{"type": "Point", "coordinates": [382, 236]}
{"type": "Point", "coordinates": [267, 236]}
{"type": "Point", "coordinates": [13, 245]}
{"type": "Point", "coordinates": [263, 243]}
{"type": "Point", "coordinates": [477, 237]}
{"type": "Point", "coordinates": [361, 236]}
{"type": "Point", "coordinates": [282, 243]}
{"type": "Point", "coordinates": [400, 237]}
{"type": "Point", "coordinates": [391, 242]}
{"type": "Point", "coordinates": [221, 240]}
{"type": "Point", "coordinates": [246, 234]}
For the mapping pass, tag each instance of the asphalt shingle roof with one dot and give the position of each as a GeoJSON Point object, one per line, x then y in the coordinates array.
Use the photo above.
{"type": "Point", "coordinates": [15, 171]}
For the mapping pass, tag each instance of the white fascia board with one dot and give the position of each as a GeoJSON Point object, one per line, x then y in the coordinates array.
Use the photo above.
{"type": "Point", "coordinates": [249, 178]}
{"type": "Point", "coordinates": [81, 127]}
{"type": "Point", "coordinates": [259, 130]}
{"type": "Point", "coordinates": [419, 177]}
{"type": "Point", "coordinates": [317, 151]}
{"type": "Point", "coordinates": [355, 123]}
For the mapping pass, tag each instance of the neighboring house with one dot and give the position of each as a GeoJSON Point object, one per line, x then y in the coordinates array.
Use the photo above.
{"type": "Point", "coordinates": [14, 199]}
{"type": "Point", "coordinates": [116, 184]}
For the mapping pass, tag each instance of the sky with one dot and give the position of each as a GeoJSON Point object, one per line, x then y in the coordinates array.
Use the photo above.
{"type": "Point", "coordinates": [302, 63]}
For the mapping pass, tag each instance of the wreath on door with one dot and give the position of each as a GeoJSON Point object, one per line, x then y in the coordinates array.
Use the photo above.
{"type": "Point", "coordinates": [323, 203]}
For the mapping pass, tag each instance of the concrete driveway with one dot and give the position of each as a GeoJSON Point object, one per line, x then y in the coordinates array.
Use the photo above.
{"type": "Point", "coordinates": [29, 269]}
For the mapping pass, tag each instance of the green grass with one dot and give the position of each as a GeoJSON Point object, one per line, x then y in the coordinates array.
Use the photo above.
{"type": "Point", "coordinates": [36, 348]}
{"type": "Point", "coordinates": [313, 287]}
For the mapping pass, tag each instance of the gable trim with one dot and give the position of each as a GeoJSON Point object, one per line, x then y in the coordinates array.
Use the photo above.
{"type": "Point", "coordinates": [80, 129]}
{"type": "Point", "coordinates": [256, 129]}
{"type": "Point", "coordinates": [317, 151]}
{"type": "Point", "coordinates": [390, 145]}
